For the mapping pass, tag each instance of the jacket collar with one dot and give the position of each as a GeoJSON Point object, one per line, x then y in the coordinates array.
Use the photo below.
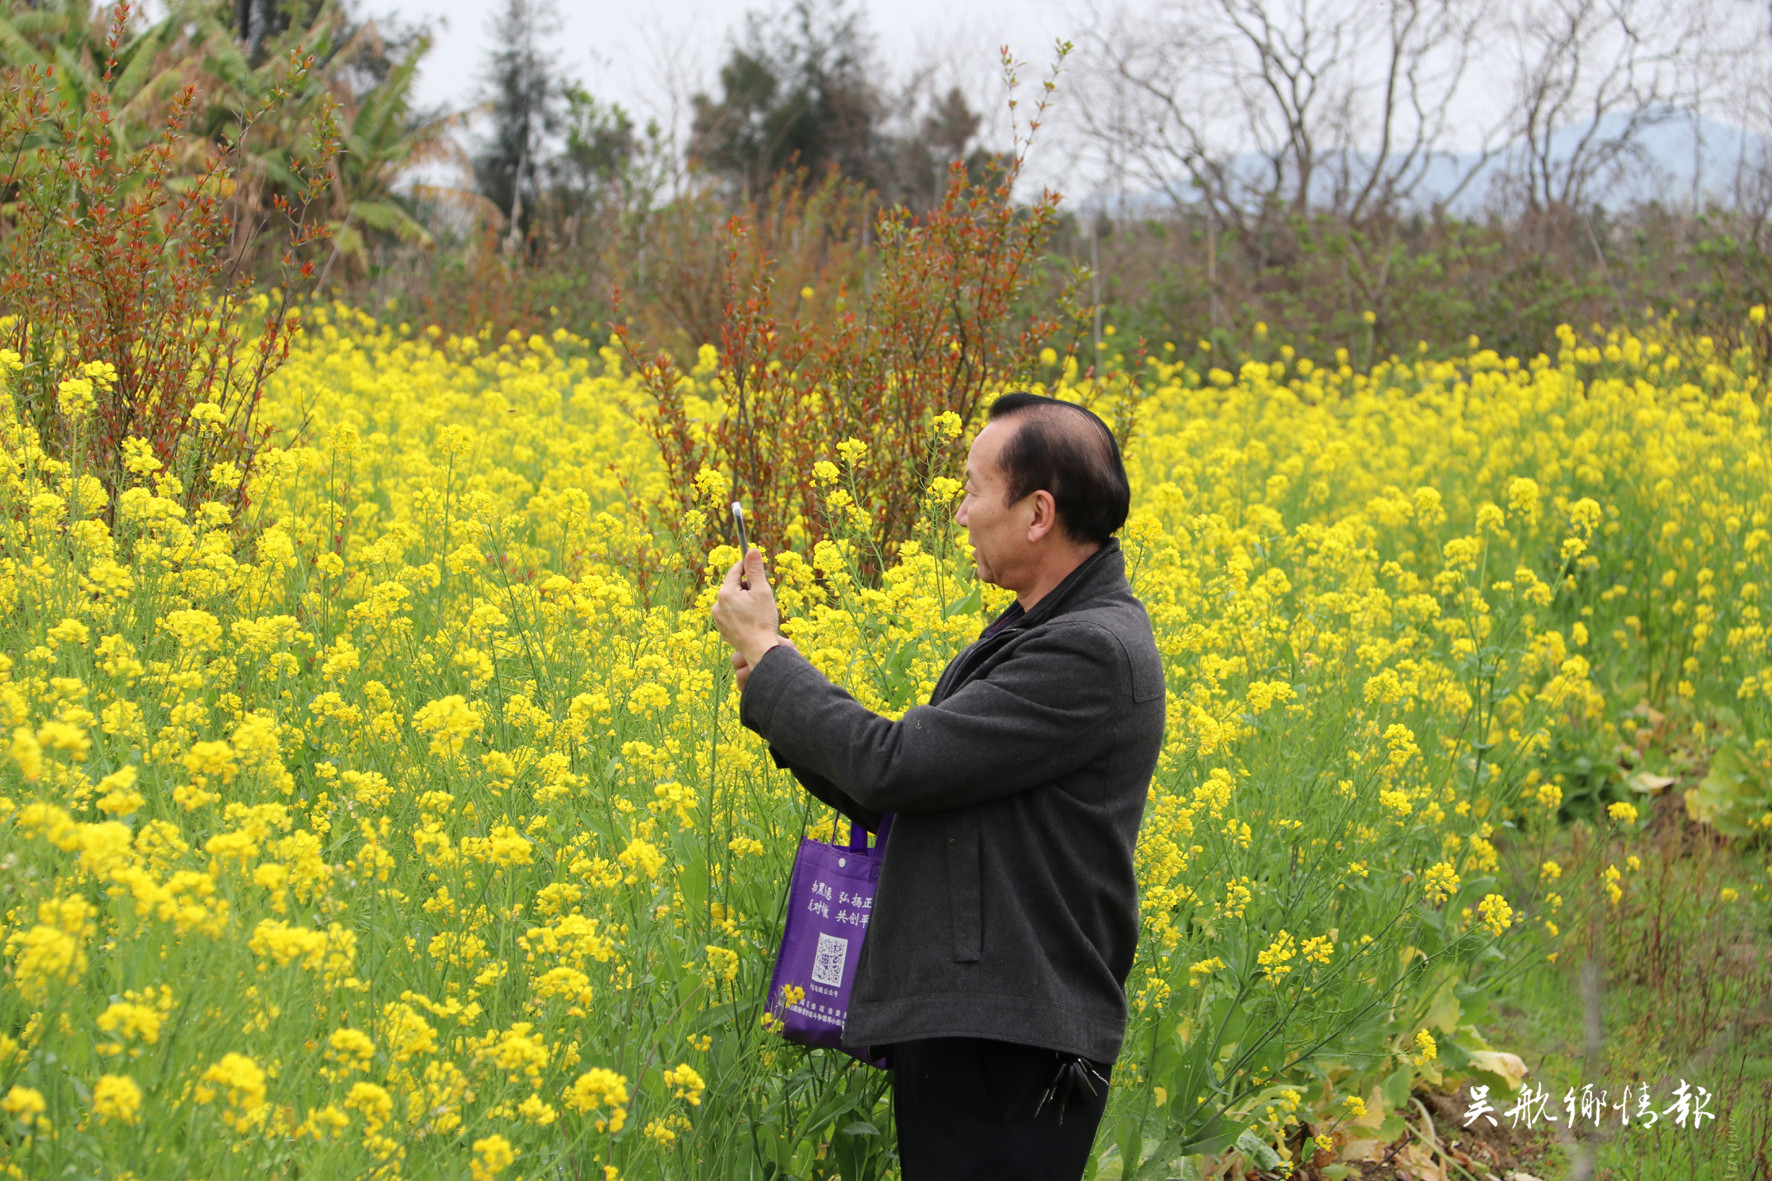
{"type": "Point", "coordinates": [1101, 572]}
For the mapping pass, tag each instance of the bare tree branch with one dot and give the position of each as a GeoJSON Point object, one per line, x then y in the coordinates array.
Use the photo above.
{"type": "Point", "coordinates": [1257, 109]}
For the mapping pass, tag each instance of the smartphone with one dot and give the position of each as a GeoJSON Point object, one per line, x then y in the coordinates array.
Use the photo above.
{"type": "Point", "coordinates": [744, 545]}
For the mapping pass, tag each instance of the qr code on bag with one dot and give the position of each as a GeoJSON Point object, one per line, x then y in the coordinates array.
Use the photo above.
{"type": "Point", "coordinates": [828, 967]}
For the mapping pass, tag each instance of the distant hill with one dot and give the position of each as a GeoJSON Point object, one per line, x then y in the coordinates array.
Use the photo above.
{"type": "Point", "coordinates": [1666, 158]}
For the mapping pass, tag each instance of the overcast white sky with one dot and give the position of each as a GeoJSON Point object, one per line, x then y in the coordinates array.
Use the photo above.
{"type": "Point", "coordinates": [651, 54]}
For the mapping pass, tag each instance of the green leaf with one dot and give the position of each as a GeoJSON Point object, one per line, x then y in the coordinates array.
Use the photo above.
{"type": "Point", "coordinates": [1259, 1152]}
{"type": "Point", "coordinates": [14, 48]}
{"type": "Point", "coordinates": [390, 218]}
{"type": "Point", "coordinates": [1730, 796]}
{"type": "Point", "coordinates": [1211, 1137]}
{"type": "Point", "coordinates": [1131, 1139]}
{"type": "Point", "coordinates": [970, 603]}
{"type": "Point", "coordinates": [1444, 1012]}
{"type": "Point", "coordinates": [1396, 1087]}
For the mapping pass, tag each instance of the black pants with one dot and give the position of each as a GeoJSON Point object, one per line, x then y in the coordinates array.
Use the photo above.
{"type": "Point", "coordinates": [965, 1111]}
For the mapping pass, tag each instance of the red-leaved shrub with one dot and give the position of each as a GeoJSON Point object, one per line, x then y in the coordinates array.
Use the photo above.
{"type": "Point", "coordinates": [945, 316]}
{"type": "Point", "coordinates": [122, 283]}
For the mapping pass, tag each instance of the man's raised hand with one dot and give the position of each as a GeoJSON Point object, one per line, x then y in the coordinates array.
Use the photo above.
{"type": "Point", "coordinates": [747, 619]}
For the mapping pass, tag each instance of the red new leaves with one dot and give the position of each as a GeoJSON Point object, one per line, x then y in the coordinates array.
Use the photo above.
{"type": "Point", "coordinates": [131, 255]}
{"type": "Point", "coordinates": [942, 320]}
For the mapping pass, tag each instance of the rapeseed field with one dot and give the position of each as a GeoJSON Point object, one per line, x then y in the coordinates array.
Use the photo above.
{"type": "Point", "coordinates": [405, 827]}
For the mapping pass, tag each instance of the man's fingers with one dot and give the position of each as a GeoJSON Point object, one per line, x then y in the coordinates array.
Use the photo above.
{"type": "Point", "coordinates": [749, 568]}
{"type": "Point", "coordinates": [731, 580]}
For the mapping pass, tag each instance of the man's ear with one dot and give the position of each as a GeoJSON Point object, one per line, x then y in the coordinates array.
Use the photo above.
{"type": "Point", "coordinates": [1045, 518]}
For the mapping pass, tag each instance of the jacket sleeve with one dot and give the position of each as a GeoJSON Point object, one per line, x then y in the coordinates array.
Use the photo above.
{"type": "Point", "coordinates": [830, 793]}
{"type": "Point", "coordinates": [1043, 712]}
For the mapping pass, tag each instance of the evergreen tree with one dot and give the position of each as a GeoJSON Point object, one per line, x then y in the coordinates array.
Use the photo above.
{"type": "Point", "coordinates": [258, 22]}
{"type": "Point", "coordinates": [522, 95]}
{"type": "Point", "coordinates": [797, 92]}
{"type": "Point", "coordinates": [599, 168]}
{"type": "Point", "coordinates": [919, 158]}
{"type": "Point", "coordinates": [800, 92]}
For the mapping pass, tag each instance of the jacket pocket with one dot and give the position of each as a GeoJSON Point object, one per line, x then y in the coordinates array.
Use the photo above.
{"type": "Point", "coordinates": [964, 900]}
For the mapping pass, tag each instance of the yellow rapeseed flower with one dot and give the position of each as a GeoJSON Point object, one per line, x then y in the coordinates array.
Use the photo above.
{"type": "Point", "coordinates": [117, 1097]}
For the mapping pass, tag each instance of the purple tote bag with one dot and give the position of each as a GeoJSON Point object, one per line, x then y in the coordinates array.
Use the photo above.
{"type": "Point", "coordinates": [830, 900]}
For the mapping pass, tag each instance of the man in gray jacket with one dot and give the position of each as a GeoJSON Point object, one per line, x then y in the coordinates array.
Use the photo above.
{"type": "Point", "coordinates": [1006, 915]}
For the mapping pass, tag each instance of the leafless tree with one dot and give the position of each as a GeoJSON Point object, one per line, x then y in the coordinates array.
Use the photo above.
{"type": "Point", "coordinates": [1589, 77]}
{"type": "Point", "coordinates": [1253, 108]}
{"type": "Point", "coordinates": [1247, 108]}
{"type": "Point", "coordinates": [1745, 102]}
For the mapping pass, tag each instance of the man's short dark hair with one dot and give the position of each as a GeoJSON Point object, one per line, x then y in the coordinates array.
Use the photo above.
{"type": "Point", "coordinates": [1070, 452]}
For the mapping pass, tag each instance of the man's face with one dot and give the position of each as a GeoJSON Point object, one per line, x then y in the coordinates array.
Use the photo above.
{"type": "Point", "coordinates": [998, 531]}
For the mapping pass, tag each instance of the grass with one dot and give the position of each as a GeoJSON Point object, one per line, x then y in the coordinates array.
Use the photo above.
{"type": "Point", "coordinates": [1671, 983]}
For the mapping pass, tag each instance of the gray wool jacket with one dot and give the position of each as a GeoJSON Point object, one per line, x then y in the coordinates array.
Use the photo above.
{"type": "Point", "coordinates": [1006, 906]}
